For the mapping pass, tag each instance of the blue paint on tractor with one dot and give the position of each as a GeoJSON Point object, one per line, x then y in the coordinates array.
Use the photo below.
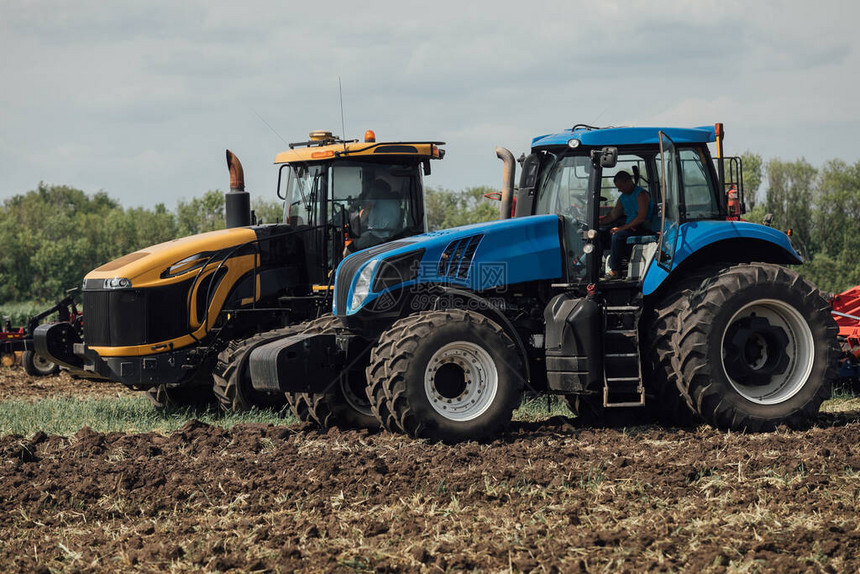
{"type": "Point", "coordinates": [696, 235]}
{"type": "Point", "coordinates": [626, 136]}
{"type": "Point", "coordinates": [474, 257]}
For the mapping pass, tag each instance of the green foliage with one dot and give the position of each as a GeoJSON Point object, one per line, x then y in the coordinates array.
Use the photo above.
{"type": "Point", "coordinates": [789, 199]}
{"type": "Point", "coordinates": [54, 235]}
{"type": "Point", "coordinates": [267, 211]}
{"type": "Point", "coordinates": [51, 237]}
{"type": "Point", "coordinates": [201, 214]}
{"type": "Point", "coordinates": [19, 312]}
{"type": "Point", "coordinates": [752, 172]}
{"type": "Point", "coordinates": [447, 208]}
{"type": "Point", "coordinates": [66, 415]}
{"type": "Point", "coordinates": [835, 264]}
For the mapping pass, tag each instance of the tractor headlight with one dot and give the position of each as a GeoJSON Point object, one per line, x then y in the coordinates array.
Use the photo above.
{"type": "Point", "coordinates": [362, 286]}
{"type": "Point", "coordinates": [117, 283]}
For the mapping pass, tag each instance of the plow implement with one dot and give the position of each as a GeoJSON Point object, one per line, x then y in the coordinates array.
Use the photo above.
{"type": "Point", "coordinates": [846, 312]}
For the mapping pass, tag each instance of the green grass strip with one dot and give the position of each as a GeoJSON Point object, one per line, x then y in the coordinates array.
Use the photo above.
{"type": "Point", "coordinates": [66, 415]}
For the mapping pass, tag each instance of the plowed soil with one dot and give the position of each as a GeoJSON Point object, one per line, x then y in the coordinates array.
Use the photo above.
{"type": "Point", "coordinates": [16, 384]}
{"type": "Point", "coordinates": [548, 496]}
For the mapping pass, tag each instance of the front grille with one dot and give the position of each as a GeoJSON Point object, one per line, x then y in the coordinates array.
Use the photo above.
{"type": "Point", "coordinates": [127, 317]}
{"type": "Point", "coordinates": [97, 323]}
{"type": "Point", "coordinates": [351, 265]}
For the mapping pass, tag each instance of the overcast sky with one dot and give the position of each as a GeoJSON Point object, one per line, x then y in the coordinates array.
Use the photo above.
{"type": "Point", "coordinates": [140, 99]}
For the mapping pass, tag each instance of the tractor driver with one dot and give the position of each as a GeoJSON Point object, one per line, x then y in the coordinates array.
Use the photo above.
{"type": "Point", "coordinates": [635, 207]}
{"type": "Point", "coordinates": [379, 217]}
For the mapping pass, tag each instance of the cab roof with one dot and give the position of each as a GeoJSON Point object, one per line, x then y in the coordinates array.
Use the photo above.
{"type": "Point", "coordinates": [625, 136]}
{"type": "Point", "coordinates": [330, 149]}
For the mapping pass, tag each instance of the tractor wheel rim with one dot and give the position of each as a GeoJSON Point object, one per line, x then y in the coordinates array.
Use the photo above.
{"type": "Point", "coordinates": [355, 398]}
{"type": "Point", "coordinates": [461, 381]}
{"type": "Point", "coordinates": [42, 363]}
{"type": "Point", "coordinates": [772, 343]}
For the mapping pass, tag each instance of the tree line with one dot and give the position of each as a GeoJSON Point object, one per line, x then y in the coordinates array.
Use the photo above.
{"type": "Point", "coordinates": [821, 207]}
{"type": "Point", "coordinates": [52, 236]}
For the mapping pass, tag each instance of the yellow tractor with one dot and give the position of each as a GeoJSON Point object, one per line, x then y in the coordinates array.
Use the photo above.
{"type": "Point", "coordinates": [156, 319]}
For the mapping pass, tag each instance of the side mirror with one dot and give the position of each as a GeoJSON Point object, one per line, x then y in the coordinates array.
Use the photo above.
{"type": "Point", "coordinates": [606, 157]}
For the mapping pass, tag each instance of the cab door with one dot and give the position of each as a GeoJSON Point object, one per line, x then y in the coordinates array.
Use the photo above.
{"type": "Point", "coordinates": [671, 201]}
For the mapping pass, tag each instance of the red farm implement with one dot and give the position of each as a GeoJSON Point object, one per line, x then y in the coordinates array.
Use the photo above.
{"type": "Point", "coordinates": [846, 311]}
{"type": "Point", "coordinates": [20, 339]}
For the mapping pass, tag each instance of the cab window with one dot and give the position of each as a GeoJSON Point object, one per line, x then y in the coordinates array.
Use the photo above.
{"type": "Point", "coordinates": [700, 198]}
{"type": "Point", "coordinates": [564, 188]}
{"type": "Point", "coordinates": [630, 163]}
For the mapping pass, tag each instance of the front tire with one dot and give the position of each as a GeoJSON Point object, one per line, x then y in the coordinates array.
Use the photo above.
{"type": "Point", "coordinates": [756, 349]}
{"type": "Point", "coordinates": [343, 405]}
{"type": "Point", "coordinates": [447, 375]}
{"type": "Point", "coordinates": [37, 366]}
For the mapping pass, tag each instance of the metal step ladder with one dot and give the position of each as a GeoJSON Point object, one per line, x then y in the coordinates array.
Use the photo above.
{"type": "Point", "coordinates": [622, 365]}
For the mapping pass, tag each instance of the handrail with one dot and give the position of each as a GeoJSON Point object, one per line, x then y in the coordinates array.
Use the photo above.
{"type": "Point", "coordinates": [225, 255]}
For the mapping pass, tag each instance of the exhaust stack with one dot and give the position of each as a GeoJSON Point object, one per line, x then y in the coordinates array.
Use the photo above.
{"type": "Point", "coordinates": [507, 182]}
{"type": "Point", "coordinates": [237, 202]}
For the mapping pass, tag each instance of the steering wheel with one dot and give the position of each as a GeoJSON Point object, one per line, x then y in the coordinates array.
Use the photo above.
{"type": "Point", "coordinates": [576, 211]}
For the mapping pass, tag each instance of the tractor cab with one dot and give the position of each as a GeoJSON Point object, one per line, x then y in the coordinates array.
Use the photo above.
{"type": "Point", "coordinates": [351, 195]}
{"type": "Point", "coordinates": [573, 174]}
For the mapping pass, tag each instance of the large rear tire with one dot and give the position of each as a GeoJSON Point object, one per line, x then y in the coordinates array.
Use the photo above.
{"type": "Point", "coordinates": [659, 361]}
{"type": "Point", "coordinates": [757, 349]}
{"type": "Point", "coordinates": [37, 366]}
{"type": "Point", "coordinates": [447, 375]}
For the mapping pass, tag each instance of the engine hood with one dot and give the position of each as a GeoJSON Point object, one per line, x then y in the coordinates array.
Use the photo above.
{"type": "Point", "coordinates": [168, 262]}
{"type": "Point", "coordinates": [473, 257]}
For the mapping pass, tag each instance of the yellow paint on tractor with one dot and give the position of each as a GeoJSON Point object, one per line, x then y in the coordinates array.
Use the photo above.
{"type": "Point", "coordinates": [358, 149]}
{"type": "Point", "coordinates": [150, 267]}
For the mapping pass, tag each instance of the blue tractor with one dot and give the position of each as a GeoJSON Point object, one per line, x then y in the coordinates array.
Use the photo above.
{"type": "Point", "coordinates": [440, 335]}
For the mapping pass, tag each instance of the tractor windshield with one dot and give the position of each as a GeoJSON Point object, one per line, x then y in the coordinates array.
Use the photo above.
{"type": "Point", "coordinates": [563, 190]}
{"type": "Point", "coordinates": [303, 184]}
{"type": "Point", "coordinates": [381, 200]}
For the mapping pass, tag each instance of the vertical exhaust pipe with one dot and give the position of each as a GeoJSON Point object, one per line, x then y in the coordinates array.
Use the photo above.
{"type": "Point", "coordinates": [237, 202]}
{"type": "Point", "coordinates": [507, 182]}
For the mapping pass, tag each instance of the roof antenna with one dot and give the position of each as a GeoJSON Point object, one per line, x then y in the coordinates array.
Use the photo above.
{"type": "Point", "coordinates": [342, 123]}
{"type": "Point", "coordinates": [270, 127]}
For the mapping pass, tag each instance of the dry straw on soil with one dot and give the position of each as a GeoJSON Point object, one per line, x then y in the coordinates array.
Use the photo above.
{"type": "Point", "coordinates": [549, 496]}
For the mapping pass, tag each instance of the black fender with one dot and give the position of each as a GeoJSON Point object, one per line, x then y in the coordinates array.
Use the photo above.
{"type": "Point", "coordinates": [56, 342]}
